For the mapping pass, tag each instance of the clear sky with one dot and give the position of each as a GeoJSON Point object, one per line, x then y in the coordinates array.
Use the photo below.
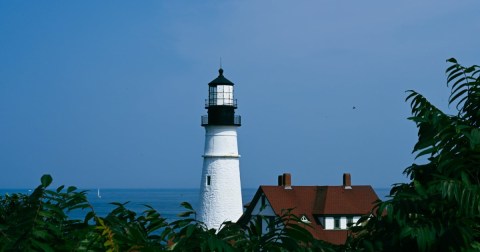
{"type": "Point", "coordinates": [110, 93]}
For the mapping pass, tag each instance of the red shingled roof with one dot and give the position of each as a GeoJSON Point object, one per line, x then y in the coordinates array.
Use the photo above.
{"type": "Point", "coordinates": [319, 200]}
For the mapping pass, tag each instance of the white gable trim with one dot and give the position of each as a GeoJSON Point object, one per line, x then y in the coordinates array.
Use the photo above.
{"type": "Point", "coordinates": [266, 210]}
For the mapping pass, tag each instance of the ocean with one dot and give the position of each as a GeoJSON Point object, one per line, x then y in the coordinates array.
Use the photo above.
{"type": "Point", "coordinates": [165, 201]}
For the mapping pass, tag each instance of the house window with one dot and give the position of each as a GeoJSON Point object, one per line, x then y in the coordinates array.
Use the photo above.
{"type": "Point", "coordinates": [209, 180]}
{"type": "Point", "coordinates": [336, 223]}
{"type": "Point", "coordinates": [349, 221]}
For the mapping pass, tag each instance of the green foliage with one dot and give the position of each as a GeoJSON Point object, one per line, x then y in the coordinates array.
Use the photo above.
{"type": "Point", "coordinates": [286, 235]}
{"type": "Point", "coordinates": [40, 222]}
{"type": "Point", "coordinates": [439, 210]}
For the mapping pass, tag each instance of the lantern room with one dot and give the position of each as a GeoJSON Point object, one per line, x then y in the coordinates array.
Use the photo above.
{"type": "Point", "coordinates": [221, 104]}
{"type": "Point", "coordinates": [220, 92]}
{"type": "Point", "coordinates": [220, 95]}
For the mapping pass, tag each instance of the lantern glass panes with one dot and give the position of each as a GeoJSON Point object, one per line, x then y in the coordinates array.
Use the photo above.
{"type": "Point", "coordinates": [212, 96]}
{"type": "Point", "coordinates": [221, 95]}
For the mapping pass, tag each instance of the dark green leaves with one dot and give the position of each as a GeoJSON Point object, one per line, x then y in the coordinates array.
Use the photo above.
{"type": "Point", "coordinates": [186, 205]}
{"type": "Point", "coordinates": [439, 210]}
{"type": "Point", "coordinates": [40, 222]}
{"type": "Point", "coordinates": [452, 60]}
{"type": "Point", "coordinates": [46, 180]}
{"type": "Point", "coordinates": [465, 85]}
{"type": "Point", "coordinates": [190, 211]}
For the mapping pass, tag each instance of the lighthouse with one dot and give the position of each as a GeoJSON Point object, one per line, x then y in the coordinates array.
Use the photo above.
{"type": "Point", "coordinates": [220, 188]}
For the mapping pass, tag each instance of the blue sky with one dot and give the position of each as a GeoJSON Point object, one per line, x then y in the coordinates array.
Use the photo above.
{"type": "Point", "coordinates": [110, 93]}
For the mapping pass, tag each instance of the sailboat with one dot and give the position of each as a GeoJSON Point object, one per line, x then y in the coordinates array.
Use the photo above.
{"type": "Point", "coordinates": [98, 194]}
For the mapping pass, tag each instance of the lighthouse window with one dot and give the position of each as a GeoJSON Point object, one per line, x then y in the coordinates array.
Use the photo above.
{"type": "Point", "coordinates": [220, 100]}
{"type": "Point", "coordinates": [209, 180]}
{"type": "Point", "coordinates": [212, 96]}
{"type": "Point", "coordinates": [228, 91]}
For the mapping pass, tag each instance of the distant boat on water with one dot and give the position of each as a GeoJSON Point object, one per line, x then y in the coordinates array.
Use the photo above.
{"type": "Point", "coordinates": [98, 194]}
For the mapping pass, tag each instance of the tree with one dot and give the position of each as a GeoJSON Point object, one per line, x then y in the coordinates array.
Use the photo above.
{"type": "Point", "coordinates": [40, 222]}
{"type": "Point", "coordinates": [439, 209]}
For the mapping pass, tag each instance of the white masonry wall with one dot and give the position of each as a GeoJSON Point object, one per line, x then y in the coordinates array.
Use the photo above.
{"type": "Point", "coordinates": [222, 199]}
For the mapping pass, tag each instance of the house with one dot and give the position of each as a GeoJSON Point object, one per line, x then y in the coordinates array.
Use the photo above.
{"type": "Point", "coordinates": [326, 209]}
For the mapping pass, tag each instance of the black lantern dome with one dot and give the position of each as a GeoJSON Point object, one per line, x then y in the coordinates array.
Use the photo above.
{"type": "Point", "coordinates": [221, 104]}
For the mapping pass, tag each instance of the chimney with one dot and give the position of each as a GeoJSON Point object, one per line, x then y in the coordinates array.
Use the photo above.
{"type": "Point", "coordinates": [347, 181]}
{"type": "Point", "coordinates": [287, 180]}
{"type": "Point", "coordinates": [280, 180]}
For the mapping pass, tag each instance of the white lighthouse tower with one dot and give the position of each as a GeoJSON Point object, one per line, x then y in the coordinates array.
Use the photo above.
{"type": "Point", "coordinates": [220, 188]}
